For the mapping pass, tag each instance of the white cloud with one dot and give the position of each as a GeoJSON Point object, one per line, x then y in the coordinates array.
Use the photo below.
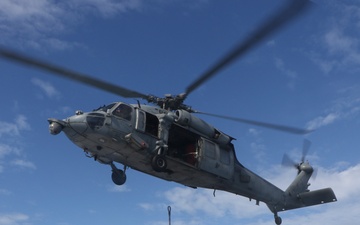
{"type": "Point", "coordinates": [5, 192]}
{"type": "Point", "coordinates": [344, 107]}
{"type": "Point", "coordinates": [340, 40]}
{"type": "Point", "coordinates": [107, 8]}
{"type": "Point", "coordinates": [178, 222]}
{"type": "Point", "coordinates": [30, 21]}
{"type": "Point", "coordinates": [258, 149]}
{"type": "Point", "coordinates": [11, 150]}
{"type": "Point", "coordinates": [15, 157]}
{"type": "Point", "coordinates": [290, 74]}
{"type": "Point", "coordinates": [13, 218]}
{"type": "Point", "coordinates": [23, 164]}
{"type": "Point", "coordinates": [8, 128]}
{"type": "Point", "coordinates": [254, 132]}
{"type": "Point", "coordinates": [342, 44]}
{"type": "Point", "coordinates": [118, 188]}
{"type": "Point", "coordinates": [7, 150]}
{"type": "Point", "coordinates": [38, 23]}
{"type": "Point", "coordinates": [322, 121]}
{"type": "Point", "coordinates": [337, 42]}
{"type": "Point", "coordinates": [257, 145]}
{"type": "Point", "coordinates": [279, 63]}
{"type": "Point", "coordinates": [20, 124]}
{"type": "Point", "coordinates": [41, 24]}
{"type": "Point", "coordinates": [200, 203]}
{"type": "Point", "coordinates": [195, 202]}
{"type": "Point", "coordinates": [47, 87]}
{"type": "Point", "coordinates": [343, 182]}
{"type": "Point", "coordinates": [271, 43]}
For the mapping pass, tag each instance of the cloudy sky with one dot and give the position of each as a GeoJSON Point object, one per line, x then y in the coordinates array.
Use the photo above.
{"type": "Point", "coordinates": [306, 75]}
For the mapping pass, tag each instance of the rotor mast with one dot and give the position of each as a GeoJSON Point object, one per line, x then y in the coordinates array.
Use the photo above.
{"type": "Point", "coordinates": [170, 102]}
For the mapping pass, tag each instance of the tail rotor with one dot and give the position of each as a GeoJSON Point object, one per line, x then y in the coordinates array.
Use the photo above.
{"type": "Point", "coordinates": [303, 165]}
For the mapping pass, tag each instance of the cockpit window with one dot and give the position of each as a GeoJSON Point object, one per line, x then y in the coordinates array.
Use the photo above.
{"type": "Point", "coordinates": [123, 111]}
{"type": "Point", "coordinates": [105, 108]}
{"type": "Point", "coordinates": [95, 120]}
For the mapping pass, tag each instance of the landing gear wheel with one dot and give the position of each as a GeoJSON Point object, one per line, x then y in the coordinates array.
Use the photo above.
{"type": "Point", "coordinates": [118, 177]}
{"type": "Point", "coordinates": [278, 220]}
{"type": "Point", "coordinates": [159, 163]}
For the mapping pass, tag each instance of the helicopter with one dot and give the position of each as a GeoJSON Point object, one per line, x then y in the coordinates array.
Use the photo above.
{"type": "Point", "coordinates": [167, 140]}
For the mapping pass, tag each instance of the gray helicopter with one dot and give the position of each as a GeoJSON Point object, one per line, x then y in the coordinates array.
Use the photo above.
{"type": "Point", "coordinates": [168, 141]}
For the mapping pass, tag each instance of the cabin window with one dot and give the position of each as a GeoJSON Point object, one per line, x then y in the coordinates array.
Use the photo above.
{"type": "Point", "coordinates": [123, 111]}
{"type": "Point", "coordinates": [95, 120]}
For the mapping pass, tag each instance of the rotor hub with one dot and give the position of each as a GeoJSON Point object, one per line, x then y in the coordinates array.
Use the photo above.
{"type": "Point", "coordinates": [170, 102]}
{"type": "Point", "coordinates": [306, 167]}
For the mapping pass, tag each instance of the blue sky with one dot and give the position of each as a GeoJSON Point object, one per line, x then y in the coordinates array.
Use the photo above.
{"type": "Point", "coordinates": [306, 75]}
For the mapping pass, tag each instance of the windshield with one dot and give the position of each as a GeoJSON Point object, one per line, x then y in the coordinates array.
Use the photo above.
{"type": "Point", "coordinates": [105, 107]}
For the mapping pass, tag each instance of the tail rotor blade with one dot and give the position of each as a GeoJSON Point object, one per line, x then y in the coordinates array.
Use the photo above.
{"type": "Point", "coordinates": [288, 162]}
{"type": "Point", "coordinates": [314, 174]}
{"type": "Point", "coordinates": [306, 147]}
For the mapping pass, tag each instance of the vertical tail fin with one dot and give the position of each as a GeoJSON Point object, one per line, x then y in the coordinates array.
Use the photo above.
{"type": "Point", "coordinates": [298, 194]}
{"type": "Point", "coordinates": [305, 170]}
{"type": "Point", "coordinates": [300, 184]}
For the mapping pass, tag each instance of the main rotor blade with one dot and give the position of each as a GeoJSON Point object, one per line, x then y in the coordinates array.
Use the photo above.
{"type": "Point", "coordinates": [72, 75]}
{"type": "Point", "coordinates": [275, 22]}
{"type": "Point", "coordinates": [283, 128]}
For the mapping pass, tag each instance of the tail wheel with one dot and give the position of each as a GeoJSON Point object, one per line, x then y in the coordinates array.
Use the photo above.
{"type": "Point", "coordinates": [278, 220]}
{"type": "Point", "coordinates": [159, 163]}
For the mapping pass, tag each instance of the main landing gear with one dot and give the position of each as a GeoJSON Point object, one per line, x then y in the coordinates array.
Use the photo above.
{"type": "Point", "coordinates": [159, 163]}
{"type": "Point", "coordinates": [118, 176]}
{"type": "Point", "coordinates": [278, 219]}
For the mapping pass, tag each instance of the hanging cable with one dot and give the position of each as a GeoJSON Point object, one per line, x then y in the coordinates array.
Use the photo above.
{"type": "Point", "coordinates": [169, 214]}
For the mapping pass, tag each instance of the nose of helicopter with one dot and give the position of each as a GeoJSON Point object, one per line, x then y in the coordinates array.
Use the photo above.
{"type": "Point", "coordinates": [56, 126]}
{"type": "Point", "coordinates": [77, 124]}
{"type": "Point", "coordinates": [73, 125]}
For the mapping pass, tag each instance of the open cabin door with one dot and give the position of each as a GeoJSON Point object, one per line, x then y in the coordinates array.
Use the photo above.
{"type": "Point", "coordinates": [215, 159]}
{"type": "Point", "coordinates": [200, 152]}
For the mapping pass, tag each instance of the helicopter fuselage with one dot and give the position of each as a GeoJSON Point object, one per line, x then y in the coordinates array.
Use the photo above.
{"type": "Point", "coordinates": [171, 145]}
{"type": "Point", "coordinates": [132, 135]}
